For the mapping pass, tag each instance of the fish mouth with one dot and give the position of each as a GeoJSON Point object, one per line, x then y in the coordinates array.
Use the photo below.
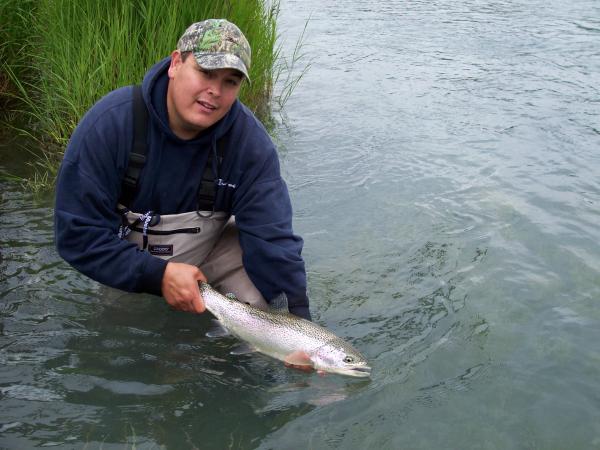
{"type": "Point", "coordinates": [364, 371]}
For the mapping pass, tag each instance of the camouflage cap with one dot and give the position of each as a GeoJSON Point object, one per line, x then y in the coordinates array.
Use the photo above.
{"type": "Point", "coordinates": [217, 44]}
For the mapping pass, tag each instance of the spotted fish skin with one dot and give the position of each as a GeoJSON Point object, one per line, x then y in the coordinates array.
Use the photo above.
{"type": "Point", "coordinates": [281, 334]}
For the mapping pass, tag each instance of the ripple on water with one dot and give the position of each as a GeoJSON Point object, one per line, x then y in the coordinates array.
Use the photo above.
{"type": "Point", "coordinates": [32, 393]}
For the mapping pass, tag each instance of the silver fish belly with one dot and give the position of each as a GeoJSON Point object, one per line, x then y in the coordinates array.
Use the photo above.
{"type": "Point", "coordinates": [281, 334]}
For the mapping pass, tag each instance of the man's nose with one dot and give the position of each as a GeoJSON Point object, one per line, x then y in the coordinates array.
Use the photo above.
{"type": "Point", "coordinates": [214, 87]}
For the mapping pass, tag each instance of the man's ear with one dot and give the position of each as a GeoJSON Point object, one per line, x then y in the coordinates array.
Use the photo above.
{"type": "Point", "coordinates": [176, 61]}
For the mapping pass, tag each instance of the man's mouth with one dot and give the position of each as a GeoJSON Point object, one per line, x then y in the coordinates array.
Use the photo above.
{"type": "Point", "coordinates": [206, 105]}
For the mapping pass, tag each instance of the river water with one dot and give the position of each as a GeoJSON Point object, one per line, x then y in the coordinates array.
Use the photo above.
{"type": "Point", "coordinates": [443, 161]}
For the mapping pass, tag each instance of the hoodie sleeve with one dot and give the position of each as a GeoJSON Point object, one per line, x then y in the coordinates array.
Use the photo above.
{"type": "Point", "coordinates": [271, 252]}
{"type": "Point", "coordinates": [86, 222]}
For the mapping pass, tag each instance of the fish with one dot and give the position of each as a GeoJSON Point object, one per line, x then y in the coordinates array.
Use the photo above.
{"type": "Point", "coordinates": [284, 336]}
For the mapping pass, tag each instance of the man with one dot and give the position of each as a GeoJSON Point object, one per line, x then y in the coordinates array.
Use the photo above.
{"type": "Point", "coordinates": [207, 201]}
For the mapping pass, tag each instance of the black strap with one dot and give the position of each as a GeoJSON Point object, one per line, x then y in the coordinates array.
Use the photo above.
{"type": "Point", "coordinates": [207, 190]}
{"type": "Point", "coordinates": [137, 157]}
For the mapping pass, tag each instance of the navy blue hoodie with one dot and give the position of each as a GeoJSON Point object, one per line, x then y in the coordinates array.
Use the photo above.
{"type": "Point", "coordinates": [249, 186]}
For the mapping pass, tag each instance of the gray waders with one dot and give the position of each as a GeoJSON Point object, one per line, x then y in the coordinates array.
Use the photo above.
{"type": "Point", "coordinates": [208, 241]}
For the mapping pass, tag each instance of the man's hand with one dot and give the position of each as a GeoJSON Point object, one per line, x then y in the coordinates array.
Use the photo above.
{"type": "Point", "coordinates": [180, 287]}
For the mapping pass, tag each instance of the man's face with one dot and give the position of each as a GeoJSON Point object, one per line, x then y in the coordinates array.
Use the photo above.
{"type": "Point", "coordinates": [198, 98]}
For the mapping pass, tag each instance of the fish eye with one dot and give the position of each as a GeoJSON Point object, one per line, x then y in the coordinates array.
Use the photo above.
{"type": "Point", "coordinates": [348, 359]}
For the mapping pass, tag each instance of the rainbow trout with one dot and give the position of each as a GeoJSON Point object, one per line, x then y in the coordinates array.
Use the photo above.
{"type": "Point", "coordinates": [283, 336]}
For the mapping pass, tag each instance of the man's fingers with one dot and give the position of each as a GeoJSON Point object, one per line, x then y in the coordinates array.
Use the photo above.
{"type": "Point", "coordinates": [192, 302]}
{"type": "Point", "coordinates": [198, 305]}
{"type": "Point", "coordinates": [180, 287]}
{"type": "Point", "coordinates": [201, 277]}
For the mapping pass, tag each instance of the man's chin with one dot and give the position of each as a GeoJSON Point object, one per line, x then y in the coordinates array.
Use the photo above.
{"type": "Point", "coordinates": [205, 121]}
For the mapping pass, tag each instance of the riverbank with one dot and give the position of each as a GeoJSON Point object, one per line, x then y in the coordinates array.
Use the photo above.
{"type": "Point", "coordinates": [59, 57]}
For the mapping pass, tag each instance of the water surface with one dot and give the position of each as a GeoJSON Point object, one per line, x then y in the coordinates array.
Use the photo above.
{"type": "Point", "coordinates": [443, 162]}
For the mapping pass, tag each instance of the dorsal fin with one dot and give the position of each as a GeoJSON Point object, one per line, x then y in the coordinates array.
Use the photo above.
{"type": "Point", "coordinates": [279, 304]}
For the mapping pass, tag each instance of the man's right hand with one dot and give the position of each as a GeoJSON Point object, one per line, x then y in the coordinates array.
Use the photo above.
{"type": "Point", "coordinates": [180, 287]}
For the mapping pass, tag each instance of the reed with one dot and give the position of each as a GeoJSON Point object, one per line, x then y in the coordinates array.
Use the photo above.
{"type": "Point", "coordinates": [79, 50]}
{"type": "Point", "coordinates": [17, 17]}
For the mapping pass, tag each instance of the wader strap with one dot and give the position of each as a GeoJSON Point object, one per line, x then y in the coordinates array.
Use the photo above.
{"type": "Point", "coordinates": [206, 193]}
{"type": "Point", "coordinates": [146, 218]}
{"type": "Point", "coordinates": [137, 157]}
{"type": "Point", "coordinates": [125, 227]}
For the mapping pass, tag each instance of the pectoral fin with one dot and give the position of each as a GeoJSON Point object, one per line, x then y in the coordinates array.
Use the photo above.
{"type": "Point", "coordinates": [298, 358]}
{"type": "Point", "coordinates": [242, 349]}
{"type": "Point", "coordinates": [217, 330]}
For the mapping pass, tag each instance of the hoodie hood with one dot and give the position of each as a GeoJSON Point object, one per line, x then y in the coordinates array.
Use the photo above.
{"type": "Point", "coordinates": [154, 88]}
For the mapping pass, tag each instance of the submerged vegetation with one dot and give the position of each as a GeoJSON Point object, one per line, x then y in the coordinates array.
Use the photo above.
{"type": "Point", "coordinates": [58, 57]}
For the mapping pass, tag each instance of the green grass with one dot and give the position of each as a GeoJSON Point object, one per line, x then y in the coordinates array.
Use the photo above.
{"type": "Point", "coordinates": [76, 51]}
{"type": "Point", "coordinates": [17, 17]}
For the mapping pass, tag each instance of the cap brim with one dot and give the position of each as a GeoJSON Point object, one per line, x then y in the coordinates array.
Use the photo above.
{"type": "Point", "coordinates": [213, 61]}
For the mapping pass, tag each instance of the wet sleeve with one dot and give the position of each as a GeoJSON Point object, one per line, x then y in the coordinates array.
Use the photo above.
{"type": "Point", "coordinates": [86, 222]}
{"type": "Point", "coordinates": [271, 251]}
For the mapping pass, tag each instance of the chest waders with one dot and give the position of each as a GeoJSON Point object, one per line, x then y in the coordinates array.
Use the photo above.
{"type": "Point", "coordinates": [184, 237]}
{"type": "Point", "coordinates": [204, 238]}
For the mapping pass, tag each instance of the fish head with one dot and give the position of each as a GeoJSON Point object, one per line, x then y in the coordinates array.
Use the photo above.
{"type": "Point", "coordinates": [337, 356]}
